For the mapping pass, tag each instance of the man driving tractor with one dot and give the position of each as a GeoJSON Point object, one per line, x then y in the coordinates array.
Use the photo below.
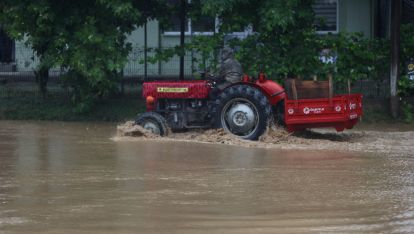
{"type": "Point", "coordinates": [230, 69]}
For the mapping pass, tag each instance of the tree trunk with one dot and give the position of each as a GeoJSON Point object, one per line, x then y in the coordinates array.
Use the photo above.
{"type": "Point", "coordinates": [42, 77]}
{"type": "Point", "coordinates": [395, 54]}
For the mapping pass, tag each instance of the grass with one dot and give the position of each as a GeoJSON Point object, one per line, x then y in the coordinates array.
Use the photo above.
{"type": "Point", "coordinates": [23, 103]}
{"type": "Point", "coordinates": [61, 109]}
{"type": "Point", "coordinates": [378, 111]}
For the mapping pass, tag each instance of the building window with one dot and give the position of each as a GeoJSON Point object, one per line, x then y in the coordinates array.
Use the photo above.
{"type": "Point", "coordinates": [204, 25]}
{"type": "Point", "coordinates": [326, 13]}
{"type": "Point", "coordinates": [174, 26]}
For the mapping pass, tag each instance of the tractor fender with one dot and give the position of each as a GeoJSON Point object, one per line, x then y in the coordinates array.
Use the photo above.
{"type": "Point", "coordinates": [272, 90]}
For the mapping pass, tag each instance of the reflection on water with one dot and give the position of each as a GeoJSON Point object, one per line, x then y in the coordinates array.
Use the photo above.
{"type": "Point", "coordinates": [71, 178]}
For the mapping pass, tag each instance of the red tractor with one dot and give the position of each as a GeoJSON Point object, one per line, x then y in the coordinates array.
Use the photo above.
{"type": "Point", "coordinates": [244, 108]}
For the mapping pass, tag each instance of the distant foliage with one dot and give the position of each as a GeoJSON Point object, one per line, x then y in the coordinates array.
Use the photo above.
{"type": "Point", "coordinates": [406, 87]}
{"type": "Point", "coordinates": [85, 38]}
{"type": "Point", "coordinates": [284, 42]}
{"type": "Point", "coordinates": [357, 56]}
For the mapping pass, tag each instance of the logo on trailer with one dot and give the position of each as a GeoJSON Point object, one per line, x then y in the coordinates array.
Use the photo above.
{"type": "Point", "coordinates": [316, 110]}
{"type": "Point", "coordinates": [338, 108]}
{"type": "Point", "coordinates": [172, 90]}
{"type": "Point", "coordinates": [352, 106]}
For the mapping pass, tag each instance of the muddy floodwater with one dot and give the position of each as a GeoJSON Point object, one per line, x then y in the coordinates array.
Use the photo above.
{"type": "Point", "coordinates": [75, 178]}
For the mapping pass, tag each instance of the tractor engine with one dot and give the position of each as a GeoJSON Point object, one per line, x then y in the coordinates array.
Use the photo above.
{"type": "Point", "coordinates": [184, 113]}
{"type": "Point", "coordinates": [183, 104]}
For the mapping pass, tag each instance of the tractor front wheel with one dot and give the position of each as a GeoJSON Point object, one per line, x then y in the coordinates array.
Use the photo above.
{"type": "Point", "coordinates": [153, 122]}
{"type": "Point", "coordinates": [243, 111]}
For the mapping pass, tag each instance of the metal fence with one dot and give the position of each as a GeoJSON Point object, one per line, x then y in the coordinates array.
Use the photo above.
{"type": "Point", "coordinates": [17, 77]}
{"type": "Point", "coordinates": [138, 68]}
{"type": "Point", "coordinates": [370, 89]}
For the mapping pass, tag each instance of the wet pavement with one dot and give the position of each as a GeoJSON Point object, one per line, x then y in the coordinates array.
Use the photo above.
{"type": "Point", "coordinates": [73, 178]}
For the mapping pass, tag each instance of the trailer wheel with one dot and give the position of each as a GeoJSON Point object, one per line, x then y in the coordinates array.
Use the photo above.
{"type": "Point", "coordinates": [243, 111]}
{"type": "Point", "coordinates": [153, 122]}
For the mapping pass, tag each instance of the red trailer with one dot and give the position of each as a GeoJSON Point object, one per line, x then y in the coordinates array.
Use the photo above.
{"type": "Point", "coordinates": [340, 112]}
{"type": "Point", "coordinates": [312, 104]}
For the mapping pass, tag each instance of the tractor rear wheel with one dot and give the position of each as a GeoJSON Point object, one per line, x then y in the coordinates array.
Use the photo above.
{"type": "Point", "coordinates": [153, 122]}
{"type": "Point", "coordinates": [243, 111]}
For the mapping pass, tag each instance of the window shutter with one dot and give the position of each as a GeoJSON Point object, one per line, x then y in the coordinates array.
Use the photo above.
{"type": "Point", "coordinates": [326, 15]}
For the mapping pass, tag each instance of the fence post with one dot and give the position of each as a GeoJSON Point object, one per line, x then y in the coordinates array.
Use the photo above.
{"type": "Point", "coordinates": [183, 13]}
{"type": "Point", "coordinates": [145, 52]}
{"type": "Point", "coordinates": [122, 86]}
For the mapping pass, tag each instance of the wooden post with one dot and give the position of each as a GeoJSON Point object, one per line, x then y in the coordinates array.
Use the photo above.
{"type": "Point", "coordinates": [395, 53]}
{"type": "Point", "coordinates": [294, 91]}
{"type": "Point", "coordinates": [330, 80]}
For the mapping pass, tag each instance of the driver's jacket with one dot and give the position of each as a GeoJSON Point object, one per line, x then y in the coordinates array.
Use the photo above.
{"type": "Point", "coordinates": [230, 71]}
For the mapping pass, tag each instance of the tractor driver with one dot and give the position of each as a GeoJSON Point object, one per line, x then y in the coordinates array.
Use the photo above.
{"type": "Point", "coordinates": [230, 69]}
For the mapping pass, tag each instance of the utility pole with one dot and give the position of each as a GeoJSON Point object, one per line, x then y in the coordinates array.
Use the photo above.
{"type": "Point", "coordinates": [183, 21]}
{"type": "Point", "coordinates": [395, 54]}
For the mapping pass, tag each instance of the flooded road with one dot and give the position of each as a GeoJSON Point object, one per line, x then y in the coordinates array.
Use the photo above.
{"type": "Point", "coordinates": [73, 178]}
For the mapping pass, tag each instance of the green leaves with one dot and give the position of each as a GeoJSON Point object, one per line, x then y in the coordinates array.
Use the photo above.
{"type": "Point", "coordinates": [357, 56]}
{"type": "Point", "coordinates": [285, 43]}
{"type": "Point", "coordinates": [85, 38]}
{"type": "Point", "coordinates": [285, 32]}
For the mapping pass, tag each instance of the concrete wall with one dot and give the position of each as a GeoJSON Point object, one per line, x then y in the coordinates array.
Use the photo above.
{"type": "Point", "coordinates": [135, 66]}
{"type": "Point", "coordinates": [172, 67]}
{"type": "Point", "coordinates": [155, 39]}
{"type": "Point", "coordinates": [26, 61]}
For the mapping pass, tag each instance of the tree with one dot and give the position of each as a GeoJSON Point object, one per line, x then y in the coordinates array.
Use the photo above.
{"type": "Point", "coordinates": [87, 39]}
{"type": "Point", "coordinates": [284, 39]}
{"type": "Point", "coordinates": [284, 42]}
{"type": "Point", "coordinates": [395, 54]}
{"type": "Point", "coordinates": [32, 21]}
